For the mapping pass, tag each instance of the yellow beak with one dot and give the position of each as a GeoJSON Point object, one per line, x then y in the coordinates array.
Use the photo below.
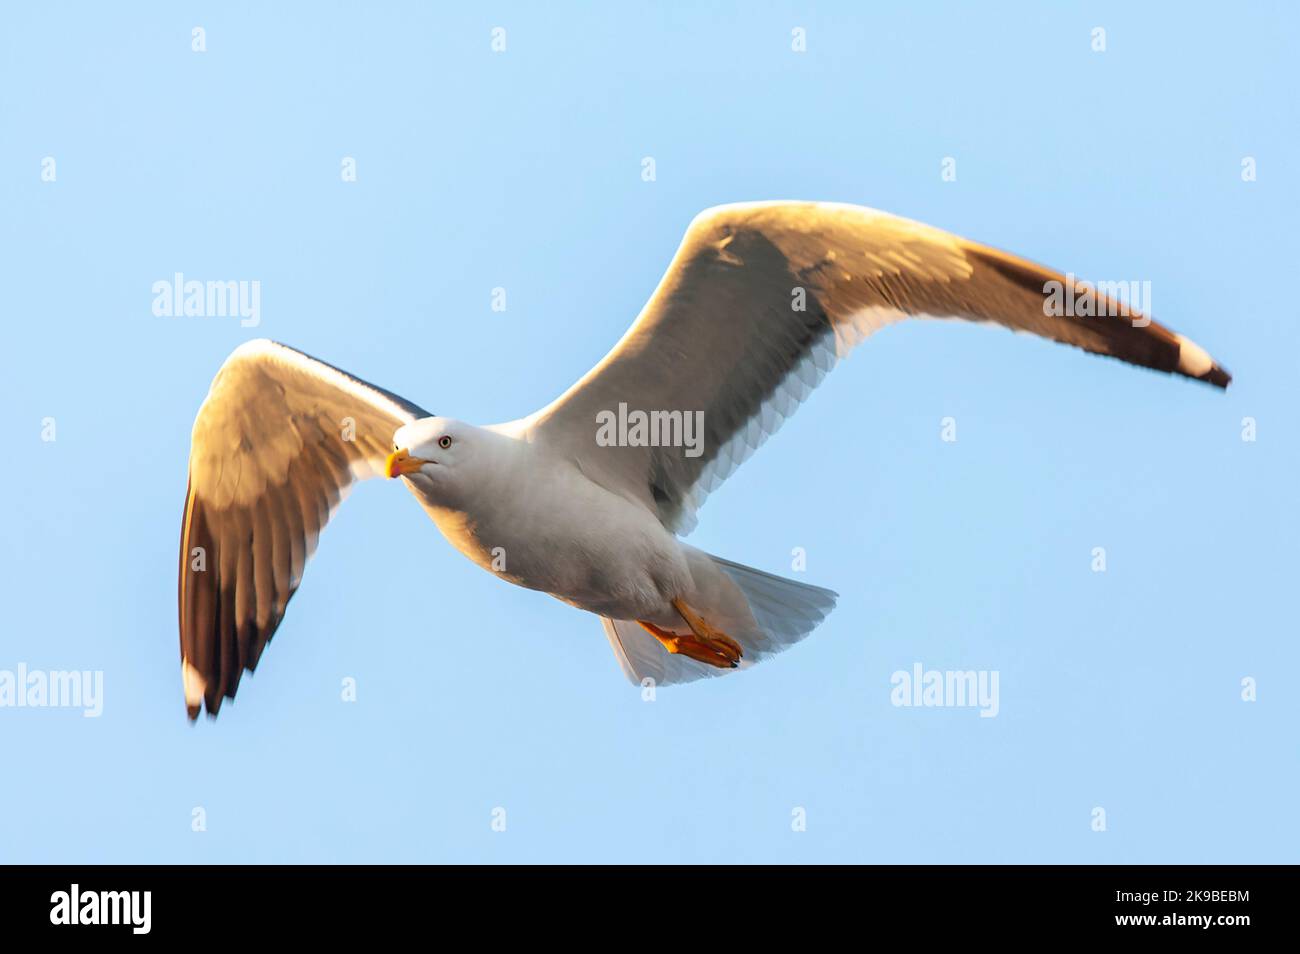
{"type": "Point", "coordinates": [401, 462]}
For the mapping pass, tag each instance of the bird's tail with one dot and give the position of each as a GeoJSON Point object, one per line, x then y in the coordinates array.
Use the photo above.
{"type": "Point", "coordinates": [763, 612]}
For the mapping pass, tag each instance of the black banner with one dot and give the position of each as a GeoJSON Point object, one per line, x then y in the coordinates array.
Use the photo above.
{"type": "Point", "coordinates": [1173, 904]}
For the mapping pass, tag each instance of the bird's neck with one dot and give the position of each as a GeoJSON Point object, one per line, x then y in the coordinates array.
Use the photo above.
{"type": "Point", "coordinates": [481, 516]}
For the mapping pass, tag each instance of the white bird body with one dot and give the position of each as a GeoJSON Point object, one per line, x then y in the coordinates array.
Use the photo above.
{"type": "Point", "coordinates": [759, 302]}
{"type": "Point", "coordinates": [533, 519]}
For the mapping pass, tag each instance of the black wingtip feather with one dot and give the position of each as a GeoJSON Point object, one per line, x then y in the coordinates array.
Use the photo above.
{"type": "Point", "coordinates": [1217, 376]}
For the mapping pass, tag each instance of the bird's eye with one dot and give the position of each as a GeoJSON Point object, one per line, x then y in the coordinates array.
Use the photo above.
{"type": "Point", "coordinates": [444, 442]}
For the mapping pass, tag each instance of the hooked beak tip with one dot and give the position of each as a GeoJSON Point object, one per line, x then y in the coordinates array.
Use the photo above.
{"type": "Point", "coordinates": [393, 465]}
{"type": "Point", "coordinates": [400, 463]}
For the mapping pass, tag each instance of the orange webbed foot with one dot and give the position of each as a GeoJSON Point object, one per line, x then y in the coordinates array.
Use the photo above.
{"type": "Point", "coordinates": [707, 644]}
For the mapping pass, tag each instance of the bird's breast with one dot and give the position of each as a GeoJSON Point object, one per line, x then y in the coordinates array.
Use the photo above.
{"type": "Point", "coordinates": [572, 539]}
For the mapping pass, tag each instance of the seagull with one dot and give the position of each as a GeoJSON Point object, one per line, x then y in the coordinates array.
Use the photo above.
{"type": "Point", "coordinates": [587, 499]}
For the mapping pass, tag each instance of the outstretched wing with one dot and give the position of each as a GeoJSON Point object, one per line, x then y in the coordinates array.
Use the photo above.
{"type": "Point", "coordinates": [760, 302]}
{"type": "Point", "coordinates": [277, 444]}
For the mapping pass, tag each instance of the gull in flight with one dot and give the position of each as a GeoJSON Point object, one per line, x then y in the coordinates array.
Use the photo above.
{"type": "Point", "coordinates": [585, 499]}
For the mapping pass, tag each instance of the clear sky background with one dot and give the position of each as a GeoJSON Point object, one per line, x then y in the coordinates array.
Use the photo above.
{"type": "Point", "coordinates": [522, 169]}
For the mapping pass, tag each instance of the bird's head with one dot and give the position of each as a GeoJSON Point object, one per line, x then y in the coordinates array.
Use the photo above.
{"type": "Point", "coordinates": [436, 449]}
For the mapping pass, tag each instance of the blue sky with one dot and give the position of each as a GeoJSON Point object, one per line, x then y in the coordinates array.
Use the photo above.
{"type": "Point", "coordinates": [1119, 690]}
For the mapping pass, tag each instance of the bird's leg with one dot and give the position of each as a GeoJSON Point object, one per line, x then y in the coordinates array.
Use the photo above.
{"type": "Point", "coordinates": [689, 646]}
{"type": "Point", "coordinates": [708, 645]}
{"type": "Point", "coordinates": [714, 638]}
